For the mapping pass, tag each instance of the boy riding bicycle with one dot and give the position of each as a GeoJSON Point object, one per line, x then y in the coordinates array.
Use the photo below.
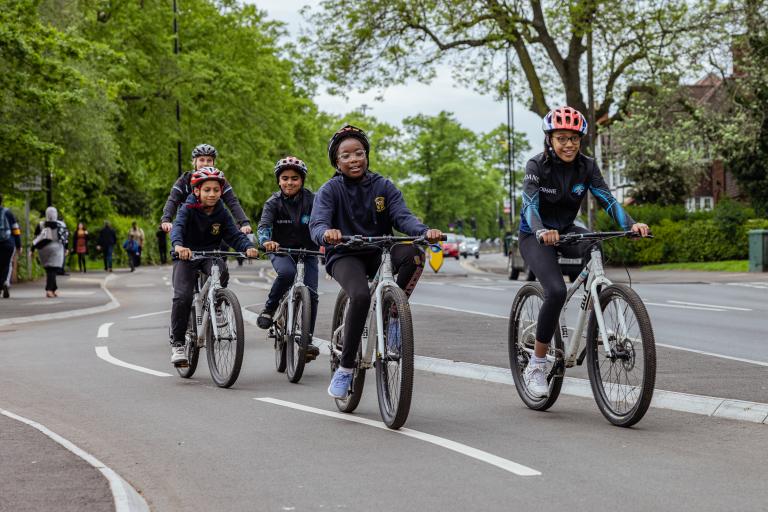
{"type": "Point", "coordinates": [201, 225]}
{"type": "Point", "coordinates": [285, 223]}
{"type": "Point", "coordinates": [356, 201]}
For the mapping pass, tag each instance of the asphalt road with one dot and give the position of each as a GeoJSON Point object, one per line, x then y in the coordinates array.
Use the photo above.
{"type": "Point", "coordinates": [187, 445]}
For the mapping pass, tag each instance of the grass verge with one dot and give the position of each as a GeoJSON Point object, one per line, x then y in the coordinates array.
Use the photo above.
{"type": "Point", "coordinates": [710, 266]}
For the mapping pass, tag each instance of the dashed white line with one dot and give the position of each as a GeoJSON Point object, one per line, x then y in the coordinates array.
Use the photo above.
{"type": "Point", "coordinates": [483, 456]}
{"type": "Point", "coordinates": [707, 305]}
{"type": "Point", "coordinates": [103, 353]}
{"type": "Point", "coordinates": [104, 330]}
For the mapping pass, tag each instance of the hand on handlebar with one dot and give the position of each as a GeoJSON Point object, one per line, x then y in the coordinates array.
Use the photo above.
{"type": "Point", "coordinates": [166, 226]}
{"type": "Point", "coordinates": [641, 229]}
{"type": "Point", "coordinates": [548, 237]}
{"type": "Point", "coordinates": [433, 236]}
{"type": "Point", "coordinates": [332, 236]}
{"type": "Point", "coordinates": [252, 252]}
{"type": "Point", "coordinates": [271, 246]}
{"type": "Point", "coordinates": [183, 252]}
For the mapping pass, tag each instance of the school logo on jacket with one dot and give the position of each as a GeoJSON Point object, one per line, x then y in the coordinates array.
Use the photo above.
{"type": "Point", "coordinates": [578, 189]}
{"type": "Point", "coordinates": [305, 219]}
{"type": "Point", "coordinates": [215, 228]}
{"type": "Point", "coordinates": [380, 204]}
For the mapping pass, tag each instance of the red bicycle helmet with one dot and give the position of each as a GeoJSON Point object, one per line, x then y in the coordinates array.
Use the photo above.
{"type": "Point", "coordinates": [205, 174]}
{"type": "Point", "coordinates": [564, 118]}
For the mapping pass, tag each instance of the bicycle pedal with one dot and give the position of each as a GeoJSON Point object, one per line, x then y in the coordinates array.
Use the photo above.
{"type": "Point", "coordinates": [309, 357]}
{"type": "Point", "coordinates": [181, 365]}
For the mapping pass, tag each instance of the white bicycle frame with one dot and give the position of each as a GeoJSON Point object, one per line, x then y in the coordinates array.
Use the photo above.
{"type": "Point", "coordinates": [594, 275]}
{"type": "Point", "coordinates": [384, 279]}
{"type": "Point", "coordinates": [203, 309]}
{"type": "Point", "coordinates": [298, 282]}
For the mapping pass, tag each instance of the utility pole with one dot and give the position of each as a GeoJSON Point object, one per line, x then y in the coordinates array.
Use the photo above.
{"type": "Point", "coordinates": [178, 107]}
{"type": "Point", "coordinates": [510, 146]}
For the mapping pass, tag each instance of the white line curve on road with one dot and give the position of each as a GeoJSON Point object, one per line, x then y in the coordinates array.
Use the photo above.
{"type": "Point", "coordinates": [103, 353]}
{"type": "Point", "coordinates": [482, 456]}
{"type": "Point", "coordinates": [104, 330]}
{"type": "Point", "coordinates": [127, 499]}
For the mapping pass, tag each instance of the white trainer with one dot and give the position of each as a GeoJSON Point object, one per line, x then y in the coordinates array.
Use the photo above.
{"type": "Point", "coordinates": [535, 379]}
{"type": "Point", "coordinates": [178, 355]}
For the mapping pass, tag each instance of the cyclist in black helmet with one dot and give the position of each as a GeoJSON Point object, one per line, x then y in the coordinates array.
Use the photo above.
{"type": "Point", "coordinates": [285, 223]}
{"type": "Point", "coordinates": [204, 155]}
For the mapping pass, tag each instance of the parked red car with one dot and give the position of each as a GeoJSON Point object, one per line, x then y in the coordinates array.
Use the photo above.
{"type": "Point", "coordinates": [451, 246]}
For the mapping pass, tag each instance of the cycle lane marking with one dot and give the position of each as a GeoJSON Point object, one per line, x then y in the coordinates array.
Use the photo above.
{"type": "Point", "coordinates": [480, 455]}
{"type": "Point", "coordinates": [707, 305]}
{"type": "Point", "coordinates": [144, 315]}
{"type": "Point", "coordinates": [104, 330]}
{"type": "Point", "coordinates": [103, 353]}
{"type": "Point", "coordinates": [680, 306]}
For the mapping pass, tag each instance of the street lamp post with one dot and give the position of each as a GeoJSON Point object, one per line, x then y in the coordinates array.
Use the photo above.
{"type": "Point", "coordinates": [178, 107]}
{"type": "Point", "coordinates": [510, 145]}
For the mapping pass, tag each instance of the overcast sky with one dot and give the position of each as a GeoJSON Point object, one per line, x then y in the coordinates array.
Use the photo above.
{"type": "Point", "coordinates": [474, 111]}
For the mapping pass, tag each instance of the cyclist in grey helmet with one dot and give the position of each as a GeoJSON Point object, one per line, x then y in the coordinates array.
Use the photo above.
{"type": "Point", "coordinates": [204, 155]}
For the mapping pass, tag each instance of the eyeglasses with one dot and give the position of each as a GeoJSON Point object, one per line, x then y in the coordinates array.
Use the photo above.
{"type": "Point", "coordinates": [573, 139]}
{"type": "Point", "coordinates": [346, 157]}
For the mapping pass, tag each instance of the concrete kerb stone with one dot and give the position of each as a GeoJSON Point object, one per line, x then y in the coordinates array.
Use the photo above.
{"type": "Point", "coordinates": [112, 304]}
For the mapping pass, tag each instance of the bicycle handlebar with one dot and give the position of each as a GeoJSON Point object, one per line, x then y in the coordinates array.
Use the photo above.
{"type": "Point", "coordinates": [570, 238]}
{"type": "Point", "coordinates": [288, 250]}
{"type": "Point", "coordinates": [201, 255]}
{"type": "Point", "coordinates": [354, 240]}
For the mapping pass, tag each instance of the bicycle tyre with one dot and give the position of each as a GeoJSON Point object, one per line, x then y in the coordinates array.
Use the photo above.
{"type": "Point", "coordinates": [296, 344]}
{"type": "Point", "coordinates": [225, 355]}
{"type": "Point", "coordinates": [278, 328]}
{"type": "Point", "coordinates": [631, 415]}
{"type": "Point", "coordinates": [522, 321]}
{"type": "Point", "coordinates": [350, 403]}
{"type": "Point", "coordinates": [190, 347]}
{"type": "Point", "coordinates": [395, 395]}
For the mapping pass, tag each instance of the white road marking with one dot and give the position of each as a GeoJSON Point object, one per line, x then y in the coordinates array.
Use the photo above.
{"type": "Point", "coordinates": [712, 354]}
{"type": "Point", "coordinates": [104, 330]}
{"type": "Point", "coordinates": [494, 288]}
{"type": "Point", "coordinates": [103, 353]}
{"type": "Point", "coordinates": [756, 284]}
{"type": "Point", "coordinates": [458, 310]}
{"type": "Point", "coordinates": [482, 456]}
{"type": "Point", "coordinates": [150, 314]}
{"type": "Point", "coordinates": [140, 285]}
{"type": "Point", "coordinates": [126, 498]}
{"type": "Point", "coordinates": [707, 305]}
{"type": "Point", "coordinates": [678, 306]}
{"type": "Point", "coordinates": [75, 293]}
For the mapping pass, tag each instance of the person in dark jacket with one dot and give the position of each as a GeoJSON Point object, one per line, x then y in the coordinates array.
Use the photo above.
{"type": "Point", "coordinates": [285, 223]}
{"type": "Point", "coordinates": [201, 225]}
{"type": "Point", "coordinates": [356, 201]}
{"type": "Point", "coordinates": [554, 185]}
{"type": "Point", "coordinates": [106, 243]}
{"type": "Point", "coordinates": [204, 155]}
{"type": "Point", "coordinates": [10, 243]}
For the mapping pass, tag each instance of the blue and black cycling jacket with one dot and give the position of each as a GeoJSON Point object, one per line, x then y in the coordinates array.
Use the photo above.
{"type": "Point", "coordinates": [285, 220]}
{"type": "Point", "coordinates": [201, 231]}
{"type": "Point", "coordinates": [553, 191]}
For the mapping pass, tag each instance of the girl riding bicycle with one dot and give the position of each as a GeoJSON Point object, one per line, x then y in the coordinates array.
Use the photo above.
{"type": "Point", "coordinates": [285, 223]}
{"type": "Point", "coordinates": [357, 201]}
{"type": "Point", "coordinates": [553, 189]}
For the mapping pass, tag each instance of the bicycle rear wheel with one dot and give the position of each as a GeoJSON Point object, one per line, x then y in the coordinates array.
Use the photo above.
{"type": "Point", "coordinates": [394, 368]}
{"type": "Point", "coordinates": [622, 381]}
{"type": "Point", "coordinates": [225, 353]}
{"type": "Point", "coordinates": [297, 338]}
{"type": "Point", "coordinates": [190, 347]}
{"type": "Point", "coordinates": [352, 400]}
{"type": "Point", "coordinates": [521, 340]}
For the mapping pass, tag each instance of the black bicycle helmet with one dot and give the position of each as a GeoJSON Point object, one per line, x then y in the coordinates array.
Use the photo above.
{"type": "Point", "coordinates": [204, 150]}
{"type": "Point", "coordinates": [347, 131]}
{"type": "Point", "coordinates": [291, 162]}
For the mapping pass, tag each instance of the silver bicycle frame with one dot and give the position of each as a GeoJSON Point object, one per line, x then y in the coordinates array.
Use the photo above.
{"type": "Point", "coordinates": [298, 282]}
{"type": "Point", "coordinates": [203, 309]}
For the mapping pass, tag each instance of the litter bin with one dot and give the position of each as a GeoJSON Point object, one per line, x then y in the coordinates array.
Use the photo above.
{"type": "Point", "coordinates": [758, 250]}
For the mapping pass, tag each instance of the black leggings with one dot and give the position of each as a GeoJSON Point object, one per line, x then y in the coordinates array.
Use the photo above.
{"type": "Point", "coordinates": [50, 279]}
{"type": "Point", "coordinates": [542, 260]}
{"type": "Point", "coordinates": [81, 262]}
{"type": "Point", "coordinates": [352, 273]}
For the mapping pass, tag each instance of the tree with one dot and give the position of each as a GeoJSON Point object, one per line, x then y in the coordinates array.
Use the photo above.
{"type": "Point", "coordinates": [382, 42]}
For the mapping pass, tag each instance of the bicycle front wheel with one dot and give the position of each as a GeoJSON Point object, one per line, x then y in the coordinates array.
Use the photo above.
{"type": "Point", "coordinates": [350, 403]}
{"type": "Point", "coordinates": [523, 320]}
{"type": "Point", "coordinates": [622, 380]}
{"type": "Point", "coordinates": [297, 338]}
{"type": "Point", "coordinates": [394, 367]}
{"type": "Point", "coordinates": [190, 347]}
{"type": "Point", "coordinates": [225, 352]}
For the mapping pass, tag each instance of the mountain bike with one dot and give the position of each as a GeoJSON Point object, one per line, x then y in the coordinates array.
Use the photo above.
{"type": "Point", "coordinates": [291, 323]}
{"type": "Point", "coordinates": [620, 348]}
{"type": "Point", "coordinates": [222, 333]}
{"type": "Point", "coordinates": [389, 318]}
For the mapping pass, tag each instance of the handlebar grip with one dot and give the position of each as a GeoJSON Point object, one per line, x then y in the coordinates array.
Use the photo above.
{"type": "Point", "coordinates": [444, 238]}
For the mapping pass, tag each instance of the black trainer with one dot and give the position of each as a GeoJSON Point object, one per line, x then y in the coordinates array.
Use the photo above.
{"type": "Point", "coordinates": [312, 352]}
{"type": "Point", "coordinates": [265, 319]}
{"type": "Point", "coordinates": [6, 293]}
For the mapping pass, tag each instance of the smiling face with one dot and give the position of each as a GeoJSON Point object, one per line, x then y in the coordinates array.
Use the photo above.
{"type": "Point", "coordinates": [203, 161]}
{"type": "Point", "coordinates": [208, 193]}
{"type": "Point", "coordinates": [566, 144]}
{"type": "Point", "coordinates": [290, 182]}
{"type": "Point", "coordinates": [351, 159]}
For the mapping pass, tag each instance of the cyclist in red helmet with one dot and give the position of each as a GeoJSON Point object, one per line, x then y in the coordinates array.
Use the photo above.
{"type": "Point", "coordinates": [201, 225]}
{"type": "Point", "coordinates": [554, 185]}
{"type": "Point", "coordinates": [285, 223]}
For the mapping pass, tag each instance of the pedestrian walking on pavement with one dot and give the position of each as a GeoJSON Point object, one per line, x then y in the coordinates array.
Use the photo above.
{"type": "Point", "coordinates": [80, 245]}
{"type": "Point", "coordinates": [131, 247]}
{"type": "Point", "coordinates": [106, 244]}
{"type": "Point", "coordinates": [138, 235]}
{"type": "Point", "coordinates": [162, 245]}
{"type": "Point", "coordinates": [10, 243]}
{"type": "Point", "coordinates": [51, 239]}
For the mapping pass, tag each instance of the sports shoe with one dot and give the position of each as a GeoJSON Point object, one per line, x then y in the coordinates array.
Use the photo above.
{"type": "Point", "coordinates": [535, 379]}
{"type": "Point", "coordinates": [265, 319]}
{"type": "Point", "coordinates": [312, 351]}
{"type": "Point", "coordinates": [6, 293]}
{"type": "Point", "coordinates": [178, 355]}
{"type": "Point", "coordinates": [339, 387]}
